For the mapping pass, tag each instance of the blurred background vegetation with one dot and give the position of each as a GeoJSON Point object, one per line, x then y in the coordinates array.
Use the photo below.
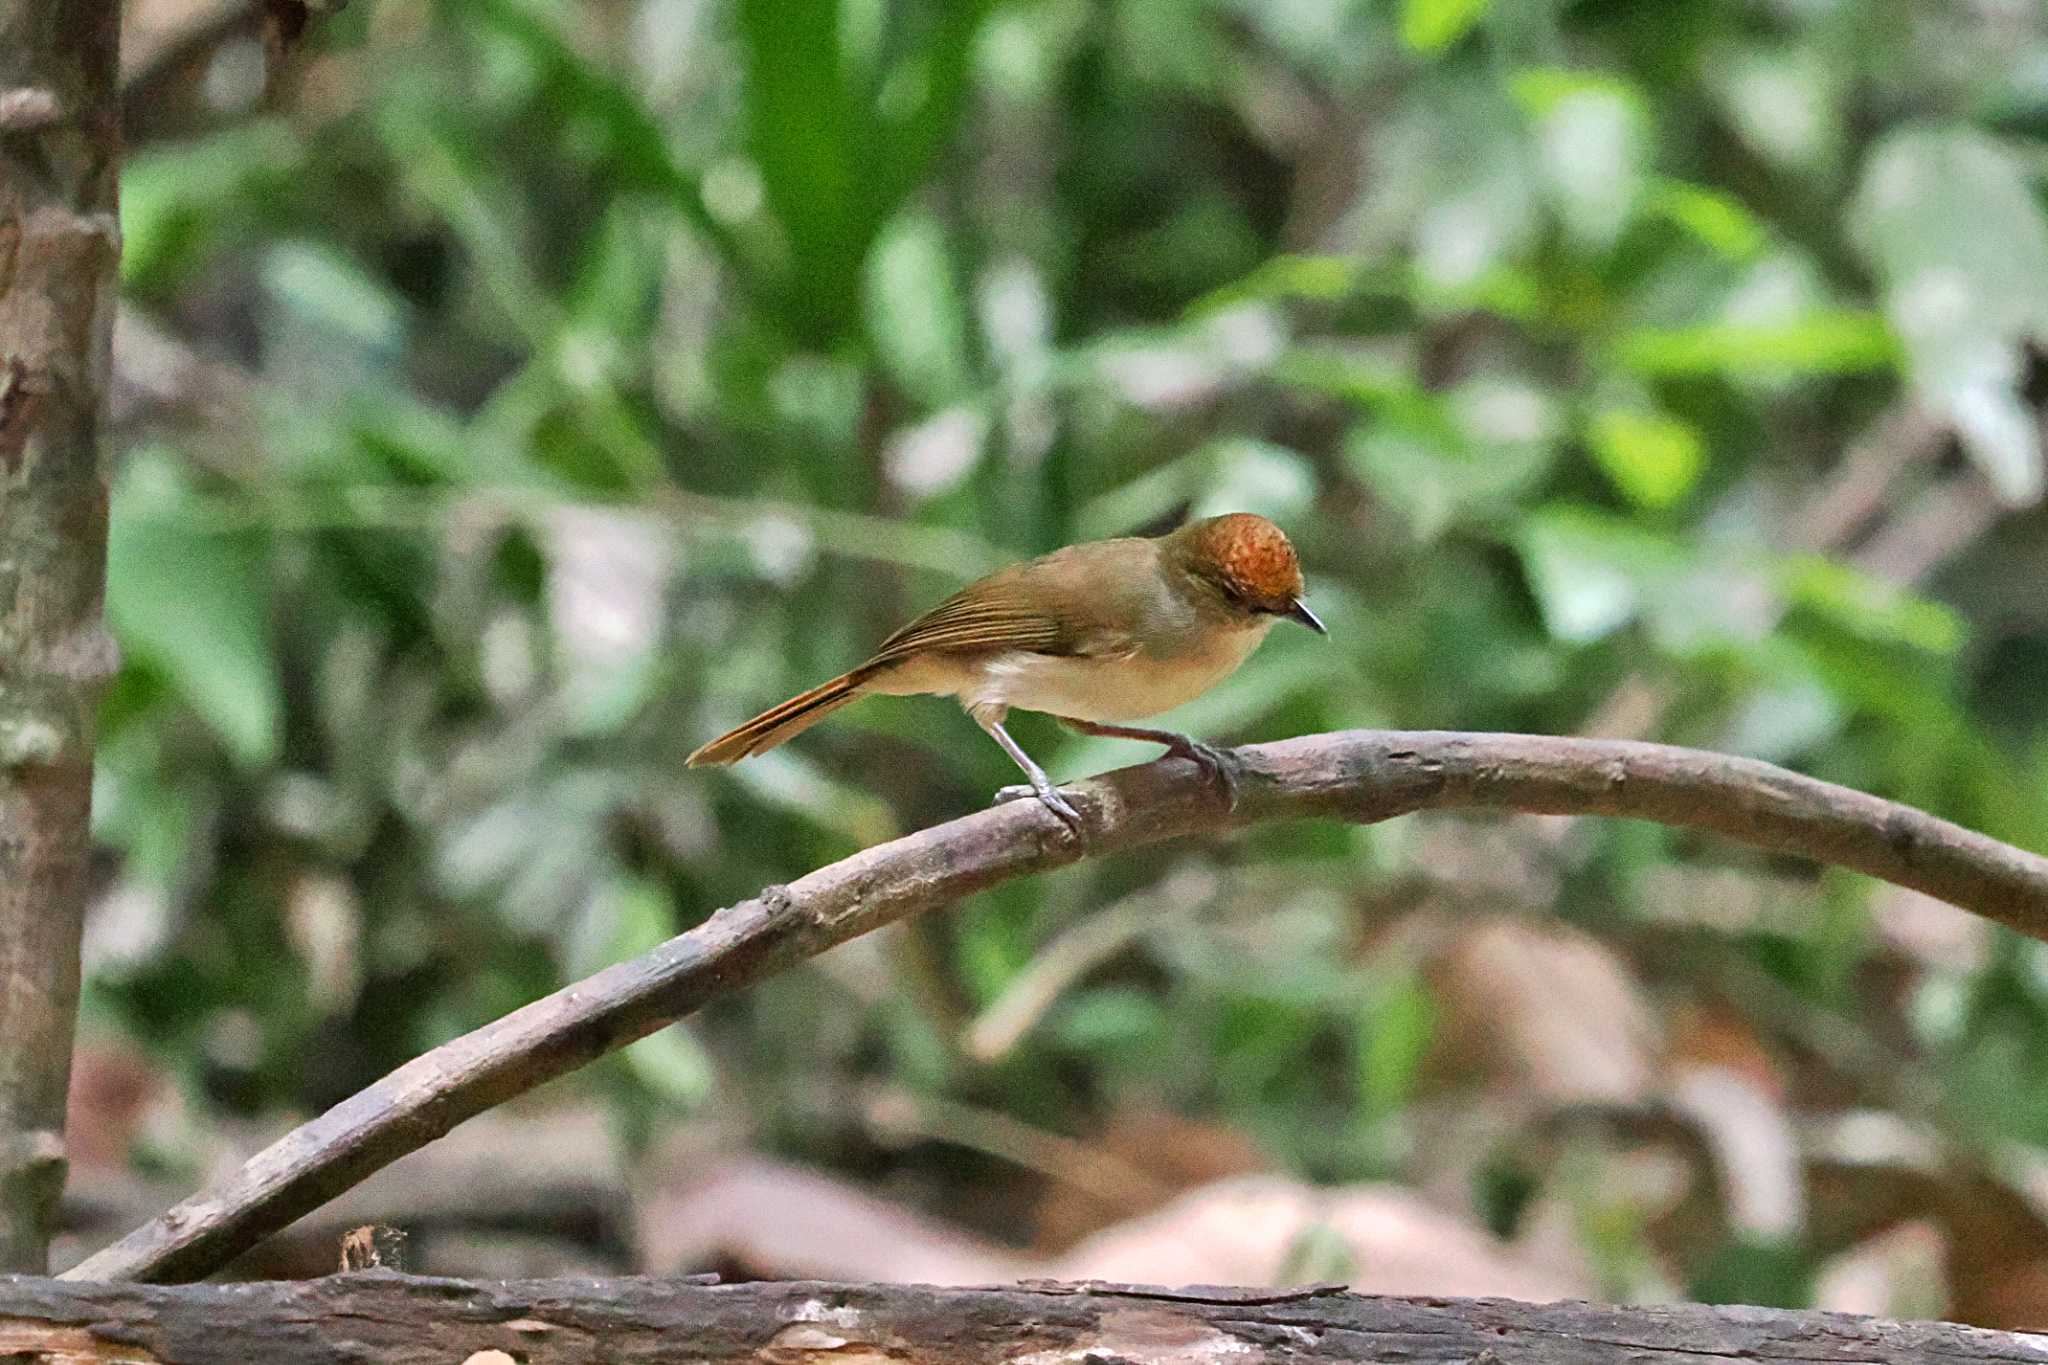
{"type": "Point", "coordinates": [520, 394]}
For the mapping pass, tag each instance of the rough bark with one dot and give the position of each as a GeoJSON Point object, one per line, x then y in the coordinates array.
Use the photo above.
{"type": "Point", "coordinates": [59, 243]}
{"type": "Point", "coordinates": [398, 1319]}
{"type": "Point", "coordinates": [1357, 775]}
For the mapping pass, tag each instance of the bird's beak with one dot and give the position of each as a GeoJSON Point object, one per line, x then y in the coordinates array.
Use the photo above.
{"type": "Point", "coordinates": [1299, 612]}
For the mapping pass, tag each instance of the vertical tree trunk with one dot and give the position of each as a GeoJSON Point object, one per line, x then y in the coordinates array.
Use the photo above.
{"type": "Point", "coordinates": [59, 244]}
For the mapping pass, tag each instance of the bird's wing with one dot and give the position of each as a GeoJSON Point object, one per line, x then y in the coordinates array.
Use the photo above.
{"type": "Point", "coordinates": [1011, 610]}
{"type": "Point", "coordinates": [968, 624]}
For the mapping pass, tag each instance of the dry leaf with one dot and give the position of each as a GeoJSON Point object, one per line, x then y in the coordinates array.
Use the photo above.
{"type": "Point", "coordinates": [1248, 1231]}
{"type": "Point", "coordinates": [776, 1221]}
{"type": "Point", "coordinates": [1897, 1274]}
{"type": "Point", "coordinates": [1173, 1152]}
{"type": "Point", "coordinates": [1545, 1010]}
{"type": "Point", "coordinates": [113, 1086]}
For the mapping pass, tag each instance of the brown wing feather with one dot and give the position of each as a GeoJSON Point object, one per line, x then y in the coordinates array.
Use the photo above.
{"type": "Point", "coordinates": [1017, 608]}
{"type": "Point", "coordinates": [968, 623]}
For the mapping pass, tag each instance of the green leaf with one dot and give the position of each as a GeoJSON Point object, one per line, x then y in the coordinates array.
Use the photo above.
{"type": "Point", "coordinates": [1461, 185]}
{"type": "Point", "coordinates": [790, 781]}
{"type": "Point", "coordinates": [1541, 90]}
{"type": "Point", "coordinates": [1257, 476]}
{"type": "Point", "coordinates": [1430, 26]}
{"type": "Point", "coordinates": [177, 201]}
{"type": "Point", "coordinates": [1233, 474]}
{"type": "Point", "coordinates": [195, 605]}
{"type": "Point", "coordinates": [447, 164]}
{"type": "Point", "coordinates": [843, 124]}
{"type": "Point", "coordinates": [1591, 572]}
{"type": "Point", "coordinates": [1778, 722]}
{"type": "Point", "coordinates": [808, 135]}
{"type": "Point", "coordinates": [915, 317]}
{"type": "Point", "coordinates": [337, 297]}
{"type": "Point", "coordinates": [1320, 279]}
{"type": "Point", "coordinates": [1394, 1033]}
{"type": "Point", "coordinates": [1718, 220]}
{"type": "Point", "coordinates": [1836, 341]}
{"type": "Point", "coordinates": [138, 805]}
{"type": "Point", "coordinates": [1786, 103]}
{"type": "Point", "coordinates": [618, 279]}
{"type": "Point", "coordinates": [674, 1065]}
{"type": "Point", "coordinates": [642, 915]}
{"type": "Point", "coordinates": [1872, 608]}
{"type": "Point", "coordinates": [1318, 1254]}
{"type": "Point", "coordinates": [1592, 148]}
{"type": "Point", "coordinates": [1442, 458]}
{"type": "Point", "coordinates": [1948, 219]}
{"type": "Point", "coordinates": [1115, 1016]}
{"type": "Point", "coordinates": [1384, 386]}
{"type": "Point", "coordinates": [1654, 459]}
{"type": "Point", "coordinates": [922, 95]}
{"type": "Point", "coordinates": [628, 143]}
{"type": "Point", "coordinates": [1752, 1268]}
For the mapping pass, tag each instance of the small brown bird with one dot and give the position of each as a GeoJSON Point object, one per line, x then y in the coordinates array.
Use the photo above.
{"type": "Point", "coordinates": [1095, 634]}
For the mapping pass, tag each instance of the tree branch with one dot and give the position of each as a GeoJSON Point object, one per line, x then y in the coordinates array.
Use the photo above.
{"type": "Point", "coordinates": [59, 156]}
{"type": "Point", "coordinates": [407, 1320]}
{"type": "Point", "coordinates": [1361, 776]}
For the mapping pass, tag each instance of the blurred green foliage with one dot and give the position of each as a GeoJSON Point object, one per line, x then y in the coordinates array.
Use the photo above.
{"type": "Point", "coordinates": [616, 369]}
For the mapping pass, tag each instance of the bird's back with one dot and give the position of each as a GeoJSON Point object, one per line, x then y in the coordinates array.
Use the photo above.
{"type": "Point", "coordinates": [1083, 600]}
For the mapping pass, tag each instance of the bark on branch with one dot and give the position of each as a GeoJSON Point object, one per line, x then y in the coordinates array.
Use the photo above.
{"type": "Point", "coordinates": [59, 149]}
{"type": "Point", "coordinates": [1361, 776]}
{"type": "Point", "coordinates": [400, 1319]}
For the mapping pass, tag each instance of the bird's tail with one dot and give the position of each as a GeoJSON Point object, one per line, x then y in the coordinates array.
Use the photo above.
{"type": "Point", "coordinates": [786, 721]}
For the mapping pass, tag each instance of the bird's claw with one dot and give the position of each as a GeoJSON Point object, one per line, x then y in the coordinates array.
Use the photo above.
{"type": "Point", "coordinates": [1221, 766]}
{"type": "Point", "coordinates": [1052, 800]}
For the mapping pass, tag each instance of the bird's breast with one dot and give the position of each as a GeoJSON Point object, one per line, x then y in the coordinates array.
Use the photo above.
{"type": "Point", "coordinates": [1116, 688]}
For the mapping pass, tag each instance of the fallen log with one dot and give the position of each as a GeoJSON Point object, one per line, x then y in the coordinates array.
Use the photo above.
{"type": "Point", "coordinates": [397, 1319]}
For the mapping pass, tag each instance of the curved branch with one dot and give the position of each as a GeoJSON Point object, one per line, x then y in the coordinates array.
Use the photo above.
{"type": "Point", "coordinates": [1361, 775]}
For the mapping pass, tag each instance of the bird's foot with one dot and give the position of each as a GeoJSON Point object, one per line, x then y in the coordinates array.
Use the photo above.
{"type": "Point", "coordinates": [1221, 766]}
{"type": "Point", "coordinates": [1053, 801]}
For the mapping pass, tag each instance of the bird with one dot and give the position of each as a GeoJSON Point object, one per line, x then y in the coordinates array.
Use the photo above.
{"type": "Point", "coordinates": [1095, 635]}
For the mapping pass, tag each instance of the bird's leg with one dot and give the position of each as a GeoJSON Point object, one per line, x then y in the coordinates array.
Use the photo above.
{"type": "Point", "coordinates": [1222, 766]}
{"type": "Point", "coordinates": [1041, 785]}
